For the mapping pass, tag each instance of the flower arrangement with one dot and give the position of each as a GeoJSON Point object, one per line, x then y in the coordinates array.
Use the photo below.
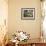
{"type": "Point", "coordinates": [21, 36]}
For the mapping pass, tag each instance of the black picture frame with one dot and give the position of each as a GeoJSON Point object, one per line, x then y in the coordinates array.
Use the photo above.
{"type": "Point", "coordinates": [27, 13]}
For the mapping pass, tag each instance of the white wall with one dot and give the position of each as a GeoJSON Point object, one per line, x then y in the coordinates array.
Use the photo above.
{"type": "Point", "coordinates": [15, 22]}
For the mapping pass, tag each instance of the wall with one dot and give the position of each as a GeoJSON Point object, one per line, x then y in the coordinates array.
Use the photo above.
{"type": "Point", "coordinates": [15, 22]}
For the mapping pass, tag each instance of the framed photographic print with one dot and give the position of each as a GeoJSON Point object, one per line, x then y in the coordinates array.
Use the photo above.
{"type": "Point", "coordinates": [28, 13]}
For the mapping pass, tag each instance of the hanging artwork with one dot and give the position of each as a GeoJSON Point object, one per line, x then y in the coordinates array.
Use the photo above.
{"type": "Point", "coordinates": [28, 13]}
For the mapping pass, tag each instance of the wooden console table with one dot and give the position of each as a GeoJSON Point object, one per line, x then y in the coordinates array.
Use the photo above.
{"type": "Point", "coordinates": [10, 44]}
{"type": "Point", "coordinates": [40, 44]}
{"type": "Point", "coordinates": [34, 42]}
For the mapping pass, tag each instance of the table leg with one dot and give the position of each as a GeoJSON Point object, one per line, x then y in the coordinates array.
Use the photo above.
{"type": "Point", "coordinates": [32, 44]}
